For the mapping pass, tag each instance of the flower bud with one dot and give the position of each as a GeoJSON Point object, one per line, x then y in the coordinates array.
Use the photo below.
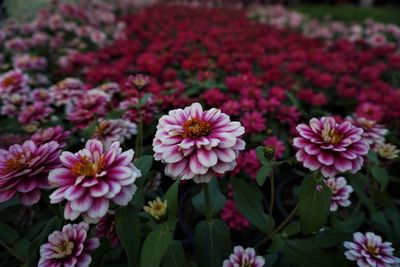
{"type": "Point", "coordinates": [269, 152]}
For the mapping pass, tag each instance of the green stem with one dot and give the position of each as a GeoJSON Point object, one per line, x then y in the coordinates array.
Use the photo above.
{"type": "Point", "coordinates": [207, 201]}
{"type": "Point", "coordinates": [292, 214]}
{"type": "Point", "coordinates": [271, 201]}
{"type": "Point", "coordinates": [11, 251]}
{"type": "Point", "coordinates": [139, 137]}
{"type": "Point", "coordinates": [272, 198]}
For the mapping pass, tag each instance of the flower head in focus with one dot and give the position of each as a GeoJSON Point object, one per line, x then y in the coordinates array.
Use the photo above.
{"type": "Point", "coordinates": [156, 208]}
{"type": "Point", "coordinates": [244, 258]}
{"type": "Point", "coordinates": [196, 144]}
{"type": "Point", "coordinates": [91, 178]}
{"type": "Point", "coordinates": [369, 250]}
{"type": "Point", "coordinates": [69, 247]}
{"type": "Point", "coordinates": [330, 147]}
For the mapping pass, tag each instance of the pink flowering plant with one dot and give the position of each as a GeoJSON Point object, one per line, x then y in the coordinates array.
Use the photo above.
{"type": "Point", "coordinates": [186, 135]}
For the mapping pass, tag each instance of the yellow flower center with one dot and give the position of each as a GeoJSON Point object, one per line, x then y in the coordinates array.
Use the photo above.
{"type": "Point", "coordinates": [87, 168]}
{"type": "Point", "coordinates": [8, 81]}
{"type": "Point", "coordinates": [195, 128]}
{"type": "Point", "coordinates": [373, 250]}
{"type": "Point", "coordinates": [66, 248]}
{"type": "Point", "coordinates": [16, 163]}
{"type": "Point", "coordinates": [331, 136]}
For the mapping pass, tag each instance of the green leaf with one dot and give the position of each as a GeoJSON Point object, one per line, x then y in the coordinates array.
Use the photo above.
{"type": "Point", "coordinates": [381, 175]}
{"type": "Point", "coordinates": [373, 157]}
{"type": "Point", "coordinates": [271, 259]}
{"type": "Point", "coordinates": [8, 234]}
{"type": "Point", "coordinates": [305, 253]}
{"type": "Point", "coordinates": [155, 246]}
{"type": "Point", "coordinates": [145, 99]}
{"type": "Point", "coordinates": [172, 200]}
{"type": "Point", "coordinates": [313, 205]}
{"type": "Point", "coordinates": [212, 243]}
{"type": "Point", "coordinates": [217, 199]}
{"type": "Point", "coordinates": [330, 237]}
{"type": "Point", "coordinates": [175, 256]}
{"type": "Point", "coordinates": [263, 172]}
{"type": "Point", "coordinates": [115, 114]}
{"type": "Point", "coordinates": [359, 184]}
{"type": "Point", "coordinates": [291, 229]}
{"type": "Point", "coordinates": [249, 201]}
{"type": "Point", "coordinates": [260, 155]}
{"type": "Point", "coordinates": [144, 164]}
{"type": "Point", "coordinates": [128, 231]}
{"type": "Point", "coordinates": [277, 244]}
{"type": "Point", "coordinates": [350, 224]}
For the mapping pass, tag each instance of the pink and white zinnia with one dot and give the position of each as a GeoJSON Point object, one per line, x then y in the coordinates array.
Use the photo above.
{"type": "Point", "coordinates": [91, 178]}
{"type": "Point", "coordinates": [196, 144]}
{"type": "Point", "coordinates": [330, 147]}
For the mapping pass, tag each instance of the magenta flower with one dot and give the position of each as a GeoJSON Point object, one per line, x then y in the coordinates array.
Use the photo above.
{"type": "Point", "coordinates": [13, 81]}
{"type": "Point", "coordinates": [91, 178]}
{"type": "Point", "coordinates": [51, 134]}
{"type": "Point", "coordinates": [89, 106]}
{"type": "Point", "coordinates": [109, 131]}
{"type": "Point", "coordinates": [330, 147]}
{"type": "Point", "coordinates": [106, 228]}
{"type": "Point", "coordinates": [244, 258]}
{"type": "Point", "coordinates": [369, 250]}
{"type": "Point", "coordinates": [233, 218]}
{"type": "Point", "coordinates": [196, 144]}
{"type": "Point", "coordinates": [70, 247]}
{"type": "Point", "coordinates": [24, 170]}
{"type": "Point", "coordinates": [374, 133]}
{"type": "Point", "coordinates": [340, 192]}
{"type": "Point", "coordinates": [66, 90]}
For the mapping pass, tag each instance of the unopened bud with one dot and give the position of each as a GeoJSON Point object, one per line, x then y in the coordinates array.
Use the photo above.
{"type": "Point", "coordinates": [269, 152]}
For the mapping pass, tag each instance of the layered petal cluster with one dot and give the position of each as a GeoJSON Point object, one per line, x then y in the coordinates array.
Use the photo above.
{"type": "Point", "coordinates": [91, 178]}
{"type": "Point", "coordinates": [340, 192]}
{"type": "Point", "coordinates": [374, 133]}
{"type": "Point", "coordinates": [109, 131]}
{"type": "Point", "coordinates": [56, 133]}
{"type": "Point", "coordinates": [369, 250]}
{"type": "Point", "coordinates": [106, 228]}
{"type": "Point", "coordinates": [69, 247]}
{"type": "Point", "coordinates": [196, 144]}
{"type": "Point", "coordinates": [244, 258]}
{"type": "Point", "coordinates": [24, 170]}
{"type": "Point", "coordinates": [330, 147]}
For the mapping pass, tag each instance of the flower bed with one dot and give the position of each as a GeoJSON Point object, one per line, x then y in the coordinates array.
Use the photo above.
{"type": "Point", "coordinates": [175, 135]}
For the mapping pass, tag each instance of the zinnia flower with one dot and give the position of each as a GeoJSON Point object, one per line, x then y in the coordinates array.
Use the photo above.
{"type": "Point", "coordinates": [374, 133]}
{"type": "Point", "coordinates": [330, 147]}
{"type": "Point", "coordinates": [106, 228]}
{"type": "Point", "coordinates": [244, 258]}
{"type": "Point", "coordinates": [109, 131]}
{"type": "Point", "coordinates": [388, 151]}
{"type": "Point", "coordinates": [340, 192]}
{"type": "Point", "coordinates": [91, 178]}
{"type": "Point", "coordinates": [24, 170]}
{"type": "Point", "coordinates": [51, 134]}
{"type": "Point", "coordinates": [70, 247]}
{"type": "Point", "coordinates": [196, 144]}
{"type": "Point", "coordinates": [369, 250]}
{"type": "Point", "coordinates": [156, 208]}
